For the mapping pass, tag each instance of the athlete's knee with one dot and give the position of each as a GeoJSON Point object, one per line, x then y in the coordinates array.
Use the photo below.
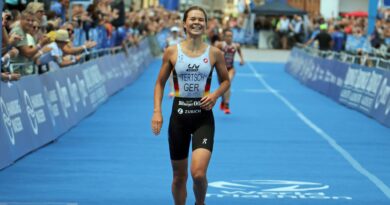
{"type": "Point", "coordinates": [180, 178]}
{"type": "Point", "coordinates": [198, 175]}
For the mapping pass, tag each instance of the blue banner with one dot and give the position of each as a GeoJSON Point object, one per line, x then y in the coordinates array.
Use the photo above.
{"type": "Point", "coordinates": [37, 109]}
{"type": "Point", "coordinates": [364, 89]}
{"type": "Point", "coordinates": [172, 5]}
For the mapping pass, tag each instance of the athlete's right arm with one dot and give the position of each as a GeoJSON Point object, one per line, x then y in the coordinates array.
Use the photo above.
{"type": "Point", "coordinates": [165, 71]}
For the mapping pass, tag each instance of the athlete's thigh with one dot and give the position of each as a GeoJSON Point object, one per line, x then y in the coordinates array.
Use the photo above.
{"type": "Point", "coordinates": [203, 136]}
{"type": "Point", "coordinates": [231, 73]}
{"type": "Point", "coordinates": [179, 140]}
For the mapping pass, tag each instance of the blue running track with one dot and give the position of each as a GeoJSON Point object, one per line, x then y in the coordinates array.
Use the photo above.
{"type": "Point", "coordinates": [283, 144]}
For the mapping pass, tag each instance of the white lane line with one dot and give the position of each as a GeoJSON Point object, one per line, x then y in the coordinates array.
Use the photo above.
{"type": "Point", "coordinates": [354, 163]}
{"type": "Point", "coordinates": [251, 90]}
{"type": "Point", "coordinates": [245, 75]}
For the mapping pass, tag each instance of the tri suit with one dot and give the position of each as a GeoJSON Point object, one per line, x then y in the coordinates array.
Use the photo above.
{"type": "Point", "coordinates": [192, 81]}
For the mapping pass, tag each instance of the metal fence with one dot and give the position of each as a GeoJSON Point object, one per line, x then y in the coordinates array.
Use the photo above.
{"type": "Point", "coordinates": [377, 58]}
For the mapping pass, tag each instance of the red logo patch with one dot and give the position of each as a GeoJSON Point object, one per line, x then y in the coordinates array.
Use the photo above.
{"type": "Point", "coordinates": [205, 60]}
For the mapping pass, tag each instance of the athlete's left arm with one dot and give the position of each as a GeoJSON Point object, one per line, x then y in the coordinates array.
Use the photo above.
{"type": "Point", "coordinates": [240, 54]}
{"type": "Point", "coordinates": [208, 102]}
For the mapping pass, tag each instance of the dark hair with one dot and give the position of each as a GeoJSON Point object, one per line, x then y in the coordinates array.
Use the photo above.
{"type": "Point", "coordinates": [194, 8]}
{"type": "Point", "coordinates": [227, 30]}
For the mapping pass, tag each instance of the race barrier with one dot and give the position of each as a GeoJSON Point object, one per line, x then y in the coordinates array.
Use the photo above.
{"type": "Point", "coordinates": [38, 109]}
{"type": "Point", "coordinates": [364, 89]}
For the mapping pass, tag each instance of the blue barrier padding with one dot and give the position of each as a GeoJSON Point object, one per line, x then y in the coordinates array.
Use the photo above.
{"type": "Point", "coordinates": [38, 109]}
{"type": "Point", "coordinates": [364, 89]}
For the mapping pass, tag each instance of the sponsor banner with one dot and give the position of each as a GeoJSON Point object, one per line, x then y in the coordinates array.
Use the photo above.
{"type": "Point", "coordinates": [381, 104]}
{"type": "Point", "coordinates": [107, 66]}
{"type": "Point", "coordinates": [39, 108]}
{"type": "Point", "coordinates": [18, 119]}
{"type": "Point", "coordinates": [16, 138]}
{"type": "Point", "coordinates": [364, 89]}
{"type": "Point", "coordinates": [315, 77]}
{"type": "Point", "coordinates": [95, 83]}
{"type": "Point", "coordinates": [338, 71]}
{"type": "Point", "coordinates": [35, 113]}
{"type": "Point", "coordinates": [74, 85]}
{"type": "Point", "coordinates": [126, 68]}
{"type": "Point", "coordinates": [57, 101]}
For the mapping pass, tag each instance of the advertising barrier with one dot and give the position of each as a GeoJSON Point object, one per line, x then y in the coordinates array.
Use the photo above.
{"type": "Point", "coordinates": [364, 89]}
{"type": "Point", "coordinates": [38, 109]}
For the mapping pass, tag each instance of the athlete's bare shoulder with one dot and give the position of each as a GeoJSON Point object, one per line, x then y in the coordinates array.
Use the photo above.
{"type": "Point", "coordinates": [170, 54]}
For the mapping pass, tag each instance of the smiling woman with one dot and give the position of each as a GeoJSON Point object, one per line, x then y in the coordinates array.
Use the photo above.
{"type": "Point", "coordinates": [192, 115]}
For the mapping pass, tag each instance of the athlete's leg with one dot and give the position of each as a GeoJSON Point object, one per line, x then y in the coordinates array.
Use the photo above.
{"type": "Point", "coordinates": [179, 183]}
{"type": "Point", "coordinates": [200, 161]}
{"type": "Point", "coordinates": [227, 94]}
{"type": "Point", "coordinates": [179, 144]}
{"type": "Point", "coordinates": [202, 147]}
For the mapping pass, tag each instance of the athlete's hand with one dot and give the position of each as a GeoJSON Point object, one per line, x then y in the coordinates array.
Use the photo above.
{"type": "Point", "coordinates": [157, 121]}
{"type": "Point", "coordinates": [208, 102]}
{"type": "Point", "coordinates": [242, 62]}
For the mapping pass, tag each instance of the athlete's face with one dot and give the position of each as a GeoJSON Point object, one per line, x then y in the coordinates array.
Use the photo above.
{"type": "Point", "coordinates": [228, 37]}
{"type": "Point", "coordinates": [195, 23]}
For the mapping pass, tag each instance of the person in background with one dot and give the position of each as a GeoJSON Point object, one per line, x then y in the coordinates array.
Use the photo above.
{"type": "Point", "coordinates": [56, 53]}
{"type": "Point", "coordinates": [229, 48]}
{"type": "Point", "coordinates": [26, 52]}
{"type": "Point", "coordinates": [324, 39]}
{"type": "Point", "coordinates": [338, 39]}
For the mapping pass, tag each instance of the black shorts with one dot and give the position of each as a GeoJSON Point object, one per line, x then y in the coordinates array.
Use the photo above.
{"type": "Point", "coordinates": [189, 120]}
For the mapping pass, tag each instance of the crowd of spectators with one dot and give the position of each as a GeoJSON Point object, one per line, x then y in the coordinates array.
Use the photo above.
{"type": "Point", "coordinates": [345, 33]}
{"type": "Point", "coordinates": [38, 38]}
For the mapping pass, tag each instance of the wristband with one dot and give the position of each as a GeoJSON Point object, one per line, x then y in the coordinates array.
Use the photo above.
{"type": "Point", "coordinates": [85, 49]}
{"type": "Point", "coordinates": [9, 77]}
{"type": "Point", "coordinates": [73, 59]}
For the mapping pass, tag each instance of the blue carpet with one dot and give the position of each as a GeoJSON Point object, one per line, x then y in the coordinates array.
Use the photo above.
{"type": "Point", "coordinates": [264, 152]}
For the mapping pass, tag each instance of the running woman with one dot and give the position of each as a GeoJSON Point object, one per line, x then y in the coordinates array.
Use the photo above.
{"type": "Point", "coordinates": [229, 49]}
{"type": "Point", "coordinates": [192, 63]}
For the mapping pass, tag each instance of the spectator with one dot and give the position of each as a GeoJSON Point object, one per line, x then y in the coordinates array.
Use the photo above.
{"type": "Point", "coordinates": [297, 28]}
{"type": "Point", "coordinates": [60, 7]}
{"type": "Point", "coordinates": [377, 37]}
{"type": "Point", "coordinates": [37, 9]}
{"type": "Point", "coordinates": [282, 28]}
{"type": "Point", "coordinates": [323, 38]}
{"type": "Point", "coordinates": [26, 51]}
{"type": "Point", "coordinates": [56, 53]}
{"type": "Point", "coordinates": [338, 39]}
{"type": "Point", "coordinates": [8, 41]}
{"type": "Point", "coordinates": [174, 38]}
{"type": "Point", "coordinates": [69, 49]}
